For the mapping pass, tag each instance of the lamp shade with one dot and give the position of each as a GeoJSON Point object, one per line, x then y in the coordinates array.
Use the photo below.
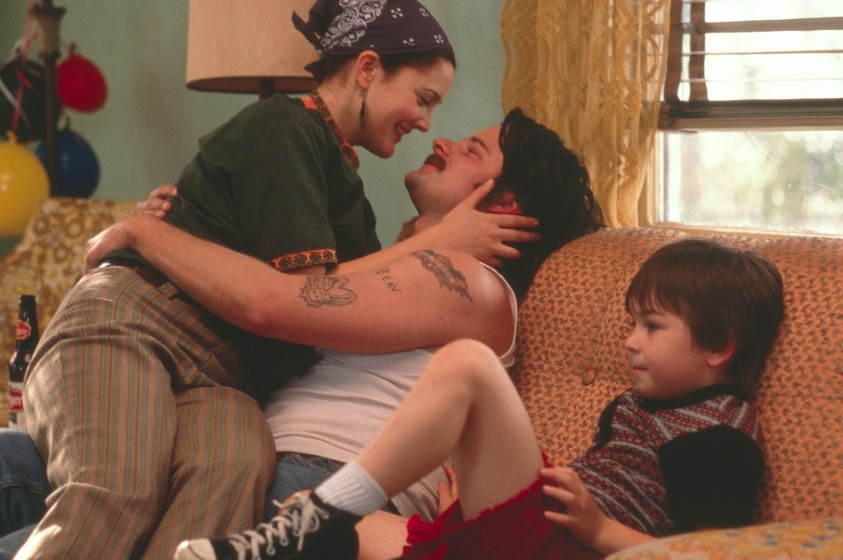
{"type": "Point", "coordinates": [248, 46]}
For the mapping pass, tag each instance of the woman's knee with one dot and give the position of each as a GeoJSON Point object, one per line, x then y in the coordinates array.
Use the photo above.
{"type": "Point", "coordinates": [248, 453]}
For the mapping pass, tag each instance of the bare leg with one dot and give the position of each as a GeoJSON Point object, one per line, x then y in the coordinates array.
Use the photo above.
{"type": "Point", "coordinates": [464, 405]}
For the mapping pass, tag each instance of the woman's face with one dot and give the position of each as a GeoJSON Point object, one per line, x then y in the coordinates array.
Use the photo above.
{"type": "Point", "coordinates": [398, 102]}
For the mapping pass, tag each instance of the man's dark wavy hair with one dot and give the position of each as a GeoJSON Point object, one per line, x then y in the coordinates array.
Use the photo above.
{"type": "Point", "coordinates": [552, 185]}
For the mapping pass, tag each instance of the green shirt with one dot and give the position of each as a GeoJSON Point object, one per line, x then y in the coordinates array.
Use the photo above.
{"type": "Point", "coordinates": [272, 182]}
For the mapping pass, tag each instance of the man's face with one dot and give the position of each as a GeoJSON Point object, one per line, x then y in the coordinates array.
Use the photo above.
{"type": "Point", "coordinates": [453, 171]}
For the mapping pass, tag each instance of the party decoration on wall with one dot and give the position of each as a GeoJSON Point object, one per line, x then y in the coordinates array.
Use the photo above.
{"type": "Point", "coordinates": [32, 100]}
{"type": "Point", "coordinates": [80, 84]}
{"type": "Point", "coordinates": [23, 186]}
{"type": "Point", "coordinates": [22, 99]}
{"type": "Point", "coordinates": [79, 168]}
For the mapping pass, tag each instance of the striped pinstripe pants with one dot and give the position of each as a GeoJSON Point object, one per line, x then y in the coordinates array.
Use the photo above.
{"type": "Point", "coordinates": [135, 402]}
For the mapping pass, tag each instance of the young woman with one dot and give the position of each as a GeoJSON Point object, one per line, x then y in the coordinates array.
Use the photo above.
{"type": "Point", "coordinates": [140, 401]}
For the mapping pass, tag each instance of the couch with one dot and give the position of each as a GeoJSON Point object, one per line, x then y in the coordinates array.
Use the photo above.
{"type": "Point", "coordinates": [571, 363]}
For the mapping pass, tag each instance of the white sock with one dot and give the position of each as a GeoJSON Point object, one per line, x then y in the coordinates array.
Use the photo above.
{"type": "Point", "coordinates": [352, 489]}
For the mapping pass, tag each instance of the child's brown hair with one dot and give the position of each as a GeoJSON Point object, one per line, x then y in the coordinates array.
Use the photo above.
{"type": "Point", "coordinates": [723, 293]}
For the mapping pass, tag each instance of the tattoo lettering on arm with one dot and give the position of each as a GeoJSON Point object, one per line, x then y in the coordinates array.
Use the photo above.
{"type": "Point", "coordinates": [448, 276]}
{"type": "Point", "coordinates": [388, 280]}
{"type": "Point", "coordinates": [326, 290]}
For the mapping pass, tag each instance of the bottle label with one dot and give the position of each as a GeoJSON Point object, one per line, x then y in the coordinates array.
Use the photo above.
{"type": "Point", "coordinates": [23, 331]}
{"type": "Point", "coordinates": [15, 397]}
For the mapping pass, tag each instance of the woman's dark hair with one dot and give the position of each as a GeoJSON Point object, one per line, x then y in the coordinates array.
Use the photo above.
{"type": "Point", "coordinates": [725, 295]}
{"type": "Point", "coordinates": [552, 185]}
{"type": "Point", "coordinates": [322, 68]}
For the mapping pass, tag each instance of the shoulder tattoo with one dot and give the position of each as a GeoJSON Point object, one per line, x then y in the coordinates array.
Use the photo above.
{"type": "Point", "coordinates": [326, 290]}
{"type": "Point", "coordinates": [448, 276]}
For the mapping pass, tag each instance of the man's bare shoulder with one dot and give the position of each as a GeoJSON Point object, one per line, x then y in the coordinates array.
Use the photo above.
{"type": "Point", "coordinates": [464, 275]}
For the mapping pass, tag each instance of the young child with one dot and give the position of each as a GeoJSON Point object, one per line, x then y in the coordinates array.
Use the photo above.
{"type": "Point", "coordinates": [677, 451]}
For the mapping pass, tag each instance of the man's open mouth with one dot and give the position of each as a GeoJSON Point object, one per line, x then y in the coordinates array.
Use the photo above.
{"type": "Point", "coordinates": [436, 161]}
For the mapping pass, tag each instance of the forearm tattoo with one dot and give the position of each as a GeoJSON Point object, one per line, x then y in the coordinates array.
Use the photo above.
{"type": "Point", "coordinates": [448, 276]}
{"type": "Point", "coordinates": [326, 290]}
{"type": "Point", "coordinates": [388, 280]}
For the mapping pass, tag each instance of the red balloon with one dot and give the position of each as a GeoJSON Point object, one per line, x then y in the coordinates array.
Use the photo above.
{"type": "Point", "coordinates": [80, 84]}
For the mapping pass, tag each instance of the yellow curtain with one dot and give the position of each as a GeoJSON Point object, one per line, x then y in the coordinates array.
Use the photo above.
{"type": "Point", "coordinates": [592, 70]}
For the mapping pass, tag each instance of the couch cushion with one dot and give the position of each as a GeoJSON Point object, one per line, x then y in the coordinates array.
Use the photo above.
{"type": "Point", "coordinates": [571, 362]}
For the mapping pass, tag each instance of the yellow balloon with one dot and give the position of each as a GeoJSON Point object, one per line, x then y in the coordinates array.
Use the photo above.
{"type": "Point", "coordinates": [24, 185]}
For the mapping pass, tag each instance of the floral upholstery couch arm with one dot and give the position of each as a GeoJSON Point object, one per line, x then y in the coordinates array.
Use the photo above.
{"type": "Point", "coordinates": [816, 539]}
{"type": "Point", "coordinates": [46, 262]}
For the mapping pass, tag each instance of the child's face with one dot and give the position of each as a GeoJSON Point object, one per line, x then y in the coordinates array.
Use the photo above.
{"type": "Point", "coordinates": [666, 361]}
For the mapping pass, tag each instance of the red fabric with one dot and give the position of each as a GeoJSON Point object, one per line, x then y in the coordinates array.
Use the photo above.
{"type": "Point", "coordinates": [514, 530]}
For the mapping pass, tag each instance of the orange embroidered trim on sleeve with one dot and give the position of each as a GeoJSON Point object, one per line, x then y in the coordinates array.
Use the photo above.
{"type": "Point", "coordinates": [286, 263]}
{"type": "Point", "coordinates": [314, 102]}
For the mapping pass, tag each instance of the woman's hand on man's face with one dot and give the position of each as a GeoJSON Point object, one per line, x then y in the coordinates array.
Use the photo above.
{"type": "Point", "coordinates": [485, 236]}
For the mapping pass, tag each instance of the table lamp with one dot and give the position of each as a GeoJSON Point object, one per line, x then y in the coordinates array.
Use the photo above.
{"type": "Point", "coordinates": [248, 46]}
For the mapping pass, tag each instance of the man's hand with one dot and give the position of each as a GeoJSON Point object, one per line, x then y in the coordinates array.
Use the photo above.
{"type": "Point", "coordinates": [483, 235]}
{"type": "Point", "coordinates": [157, 203]}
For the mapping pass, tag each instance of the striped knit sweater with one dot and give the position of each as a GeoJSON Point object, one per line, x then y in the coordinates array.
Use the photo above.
{"type": "Point", "coordinates": [663, 467]}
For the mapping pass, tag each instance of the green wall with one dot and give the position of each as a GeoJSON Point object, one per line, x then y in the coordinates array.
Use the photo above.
{"type": "Point", "coordinates": [147, 130]}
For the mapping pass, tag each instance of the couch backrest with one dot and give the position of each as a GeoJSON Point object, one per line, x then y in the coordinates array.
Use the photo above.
{"type": "Point", "coordinates": [571, 361]}
{"type": "Point", "coordinates": [46, 262]}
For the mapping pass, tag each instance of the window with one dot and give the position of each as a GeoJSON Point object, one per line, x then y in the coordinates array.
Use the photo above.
{"type": "Point", "coordinates": [752, 117]}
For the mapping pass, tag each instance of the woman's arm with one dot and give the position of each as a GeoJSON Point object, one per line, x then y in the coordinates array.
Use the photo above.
{"type": "Point", "coordinates": [487, 237]}
{"type": "Point", "coordinates": [424, 299]}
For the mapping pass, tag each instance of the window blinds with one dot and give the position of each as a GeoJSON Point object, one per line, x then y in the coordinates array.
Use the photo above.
{"type": "Point", "coordinates": [754, 64]}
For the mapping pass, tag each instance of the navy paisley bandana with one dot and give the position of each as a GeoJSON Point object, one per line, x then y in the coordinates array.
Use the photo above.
{"type": "Point", "coordinates": [348, 27]}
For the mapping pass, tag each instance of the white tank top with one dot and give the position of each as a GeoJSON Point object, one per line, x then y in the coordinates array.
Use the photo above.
{"type": "Point", "coordinates": [339, 405]}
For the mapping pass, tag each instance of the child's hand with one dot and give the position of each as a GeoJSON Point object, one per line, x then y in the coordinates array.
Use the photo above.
{"type": "Point", "coordinates": [448, 491]}
{"type": "Point", "coordinates": [579, 512]}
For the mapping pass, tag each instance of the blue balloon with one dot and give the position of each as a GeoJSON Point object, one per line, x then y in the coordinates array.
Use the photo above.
{"type": "Point", "coordinates": [79, 169]}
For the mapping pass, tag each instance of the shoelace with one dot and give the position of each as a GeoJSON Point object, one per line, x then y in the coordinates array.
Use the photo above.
{"type": "Point", "coordinates": [300, 517]}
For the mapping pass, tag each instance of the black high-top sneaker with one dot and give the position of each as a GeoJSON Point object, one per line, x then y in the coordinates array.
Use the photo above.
{"type": "Point", "coordinates": [304, 529]}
